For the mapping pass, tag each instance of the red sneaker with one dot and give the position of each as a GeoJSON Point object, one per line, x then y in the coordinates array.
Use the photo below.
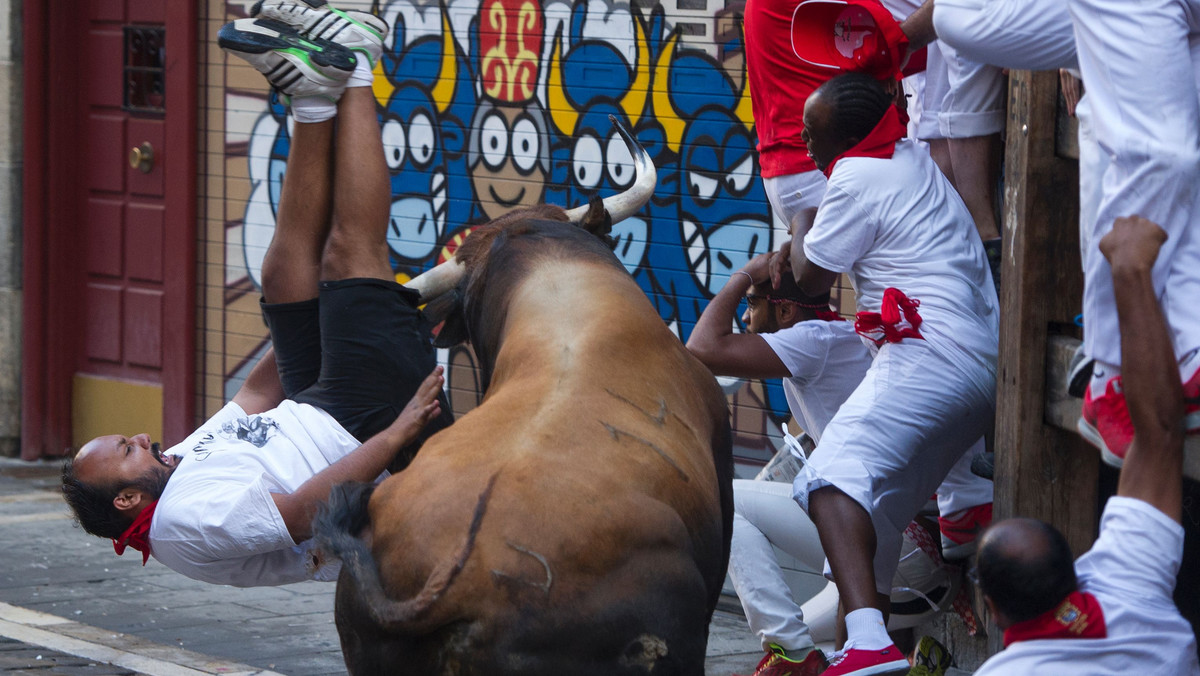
{"type": "Point", "coordinates": [1105, 423]}
{"type": "Point", "coordinates": [960, 530]}
{"type": "Point", "coordinates": [777, 663]}
{"type": "Point", "coordinates": [1191, 403]}
{"type": "Point", "coordinates": [855, 662]}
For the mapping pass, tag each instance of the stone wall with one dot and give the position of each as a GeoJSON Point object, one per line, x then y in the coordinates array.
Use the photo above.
{"type": "Point", "coordinates": [11, 147]}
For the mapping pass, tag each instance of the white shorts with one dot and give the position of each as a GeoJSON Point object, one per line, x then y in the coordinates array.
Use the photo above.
{"type": "Point", "coordinates": [1018, 34]}
{"type": "Point", "coordinates": [896, 438]}
{"type": "Point", "coordinates": [795, 197]}
{"type": "Point", "coordinates": [962, 98]}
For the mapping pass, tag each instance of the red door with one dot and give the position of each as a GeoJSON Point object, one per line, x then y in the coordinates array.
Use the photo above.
{"type": "Point", "coordinates": [110, 350]}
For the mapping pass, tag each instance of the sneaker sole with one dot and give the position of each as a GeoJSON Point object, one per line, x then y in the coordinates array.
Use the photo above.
{"type": "Point", "coordinates": [308, 55]}
{"type": "Point", "coordinates": [898, 667]}
{"type": "Point", "coordinates": [331, 26]}
{"type": "Point", "coordinates": [1093, 437]}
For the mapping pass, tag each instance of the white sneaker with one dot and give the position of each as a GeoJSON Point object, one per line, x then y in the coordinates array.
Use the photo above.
{"type": "Point", "coordinates": [359, 31]}
{"type": "Point", "coordinates": [294, 64]}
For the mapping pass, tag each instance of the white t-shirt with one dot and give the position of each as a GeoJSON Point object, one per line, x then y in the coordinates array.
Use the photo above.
{"type": "Point", "coordinates": [899, 223]}
{"type": "Point", "coordinates": [1131, 570]}
{"type": "Point", "coordinates": [827, 361]}
{"type": "Point", "coordinates": [216, 521]}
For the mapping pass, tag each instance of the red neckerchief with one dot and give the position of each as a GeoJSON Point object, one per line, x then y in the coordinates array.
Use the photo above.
{"type": "Point", "coordinates": [1078, 616]}
{"type": "Point", "coordinates": [884, 326]}
{"type": "Point", "coordinates": [829, 316]}
{"type": "Point", "coordinates": [881, 142]}
{"type": "Point", "coordinates": [136, 535]}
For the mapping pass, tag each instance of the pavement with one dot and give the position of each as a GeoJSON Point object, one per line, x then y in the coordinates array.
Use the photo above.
{"type": "Point", "coordinates": [69, 605]}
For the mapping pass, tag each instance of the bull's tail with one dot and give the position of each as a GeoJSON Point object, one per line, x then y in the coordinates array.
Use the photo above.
{"type": "Point", "coordinates": [335, 534]}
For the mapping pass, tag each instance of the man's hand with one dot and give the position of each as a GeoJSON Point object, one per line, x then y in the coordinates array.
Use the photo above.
{"type": "Point", "coordinates": [780, 263]}
{"type": "Point", "coordinates": [1070, 89]}
{"type": "Point", "coordinates": [1132, 245]}
{"type": "Point", "coordinates": [762, 267]}
{"type": "Point", "coordinates": [422, 408]}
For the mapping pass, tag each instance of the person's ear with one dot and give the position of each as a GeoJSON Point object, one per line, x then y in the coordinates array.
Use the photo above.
{"type": "Point", "coordinates": [128, 498]}
{"type": "Point", "coordinates": [998, 617]}
{"type": "Point", "coordinates": [787, 313]}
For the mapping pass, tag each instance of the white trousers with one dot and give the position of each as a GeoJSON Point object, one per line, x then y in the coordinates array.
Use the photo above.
{"type": "Point", "coordinates": [897, 437]}
{"type": "Point", "coordinates": [794, 198]}
{"type": "Point", "coordinates": [764, 514]}
{"type": "Point", "coordinates": [1139, 67]}
{"type": "Point", "coordinates": [1018, 34]}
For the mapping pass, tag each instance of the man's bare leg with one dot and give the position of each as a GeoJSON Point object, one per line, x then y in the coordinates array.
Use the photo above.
{"type": "Point", "coordinates": [976, 163]}
{"type": "Point", "coordinates": [357, 244]}
{"type": "Point", "coordinates": [291, 267]}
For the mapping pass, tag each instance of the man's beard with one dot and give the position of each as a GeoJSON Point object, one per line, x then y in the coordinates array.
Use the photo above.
{"type": "Point", "coordinates": [154, 481]}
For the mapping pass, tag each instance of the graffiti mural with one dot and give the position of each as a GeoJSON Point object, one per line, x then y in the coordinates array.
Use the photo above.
{"type": "Point", "coordinates": [489, 105]}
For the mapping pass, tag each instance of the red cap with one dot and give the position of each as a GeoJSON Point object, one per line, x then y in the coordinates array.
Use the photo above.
{"type": "Point", "coordinates": [849, 35]}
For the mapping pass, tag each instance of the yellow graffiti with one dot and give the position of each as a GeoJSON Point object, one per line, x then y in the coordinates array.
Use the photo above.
{"type": "Point", "coordinates": [518, 70]}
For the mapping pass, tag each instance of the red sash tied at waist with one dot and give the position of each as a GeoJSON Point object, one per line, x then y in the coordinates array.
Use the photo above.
{"type": "Point", "coordinates": [886, 325]}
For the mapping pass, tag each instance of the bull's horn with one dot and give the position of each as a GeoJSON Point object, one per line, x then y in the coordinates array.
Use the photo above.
{"type": "Point", "coordinates": [625, 204]}
{"type": "Point", "coordinates": [439, 280]}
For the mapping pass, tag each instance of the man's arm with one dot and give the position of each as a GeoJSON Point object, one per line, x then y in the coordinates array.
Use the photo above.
{"type": "Point", "coordinates": [918, 27]}
{"type": "Point", "coordinates": [724, 352]}
{"type": "Point", "coordinates": [812, 279]}
{"type": "Point", "coordinates": [262, 390]}
{"type": "Point", "coordinates": [363, 463]}
{"type": "Point", "coordinates": [1153, 468]}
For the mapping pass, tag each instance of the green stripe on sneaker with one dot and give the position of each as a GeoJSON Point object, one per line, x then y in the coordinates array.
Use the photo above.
{"type": "Point", "coordinates": [360, 24]}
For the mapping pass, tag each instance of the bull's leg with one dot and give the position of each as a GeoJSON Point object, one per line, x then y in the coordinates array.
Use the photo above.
{"type": "Point", "coordinates": [357, 244]}
{"type": "Point", "coordinates": [291, 266]}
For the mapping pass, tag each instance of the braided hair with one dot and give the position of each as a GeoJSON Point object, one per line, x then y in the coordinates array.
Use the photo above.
{"type": "Point", "coordinates": [857, 102]}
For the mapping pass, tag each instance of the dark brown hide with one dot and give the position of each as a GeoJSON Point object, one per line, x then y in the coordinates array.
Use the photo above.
{"type": "Point", "coordinates": [578, 520]}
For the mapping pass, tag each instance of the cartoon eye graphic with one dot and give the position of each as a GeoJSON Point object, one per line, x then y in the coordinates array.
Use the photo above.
{"type": "Point", "coordinates": [394, 145]}
{"type": "Point", "coordinates": [525, 144]}
{"type": "Point", "coordinates": [587, 161]}
{"type": "Point", "coordinates": [421, 138]}
{"type": "Point", "coordinates": [702, 187]}
{"type": "Point", "coordinates": [618, 161]}
{"type": "Point", "coordinates": [493, 141]}
{"type": "Point", "coordinates": [740, 176]}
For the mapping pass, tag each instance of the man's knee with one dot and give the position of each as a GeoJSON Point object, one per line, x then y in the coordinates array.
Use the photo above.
{"type": "Point", "coordinates": [351, 253]}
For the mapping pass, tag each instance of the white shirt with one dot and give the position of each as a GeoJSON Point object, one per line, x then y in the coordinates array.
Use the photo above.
{"type": "Point", "coordinates": [216, 521]}
{"type": "Point", "coordinates": [827, 361]}
{"type": "Point", "coordinates": [899, 223]}
{"type": "Point", "coordinates": [1131, 570]}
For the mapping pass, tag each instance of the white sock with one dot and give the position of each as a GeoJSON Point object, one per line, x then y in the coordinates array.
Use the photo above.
{"type": "Point", "coordinates": [1188, 365]}
{"type": "Point", "coordinates": [865, 630]}
{"type": "Point", "coordinates": [1101, 374]}
{"type": "Point", "coordinates": [309, 109]}
{"type": "Point", "coordinates": [364, 75]}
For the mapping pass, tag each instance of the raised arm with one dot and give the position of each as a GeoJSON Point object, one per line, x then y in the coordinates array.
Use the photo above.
{"type": "Point", "coordinates": [262, 390]}
{"type": "Point", "coordinates": [918, 27]}
{"type": "Point", "coordinates": [363, 463]}
{"type": "Point", "coordinates": [724, 352]}
{"type": "Point", "coordinates": [1153, 468]}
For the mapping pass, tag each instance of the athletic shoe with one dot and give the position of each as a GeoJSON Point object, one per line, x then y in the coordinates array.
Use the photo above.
{"type": "Point", "coordinates": [1105, 422]}
{"type": "Point", "coordinates": [293, 64]}
{"type": "Point", "coordinates": [984, 465]}
{"type": "Point", "coordinates": [960, 531]}
{"type": "Point", "coordinates": [855, 662]}
{"type": "Point", "coordinates": [930, 659]}
{"type": "Point", "coordinates": [777, 663]}
{"type": "Point", "coordinates": [1079, 373]}
{"type": "Point", "coordinates": [1191, 403]}
{"type": "Point", "coordinates": [359, 31]}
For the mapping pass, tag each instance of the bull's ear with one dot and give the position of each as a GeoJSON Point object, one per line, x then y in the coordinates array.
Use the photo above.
{"type": "Point", "coordinates": [447, 310]}
{"type": "Point", "coordinates": [598, 221]}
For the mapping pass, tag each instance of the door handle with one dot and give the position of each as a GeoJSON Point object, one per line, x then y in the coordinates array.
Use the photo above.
{"type": "Point", "coordinates": [142, 157]}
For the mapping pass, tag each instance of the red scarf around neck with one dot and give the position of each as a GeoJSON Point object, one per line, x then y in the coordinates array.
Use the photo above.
{"type": "Point", "coordinates": [1078, 616]}
{"type": "Point", "coordinates": [881, 142]}
{"type": "Point", "coordinates": [137, 535]}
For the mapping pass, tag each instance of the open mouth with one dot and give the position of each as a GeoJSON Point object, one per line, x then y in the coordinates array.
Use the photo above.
{"type": "Point", "coordinates": [164, 460]}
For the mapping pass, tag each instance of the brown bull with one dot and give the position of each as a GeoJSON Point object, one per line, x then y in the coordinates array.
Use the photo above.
{"type": "Point", "coordinates": [578, 520]}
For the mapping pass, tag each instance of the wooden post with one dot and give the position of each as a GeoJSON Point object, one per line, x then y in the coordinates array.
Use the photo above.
{"type": "Point", "coordinates": [1041, 471]}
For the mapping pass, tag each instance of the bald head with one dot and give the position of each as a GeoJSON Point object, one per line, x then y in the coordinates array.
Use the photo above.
{"type": "Point", "coordinates": [1025, 567]}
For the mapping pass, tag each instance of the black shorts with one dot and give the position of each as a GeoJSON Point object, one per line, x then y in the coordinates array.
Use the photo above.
{"type": "Point", "coordinates": [358, 352]}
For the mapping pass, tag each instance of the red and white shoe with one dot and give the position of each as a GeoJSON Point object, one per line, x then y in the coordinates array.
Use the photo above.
{"type": "Point", "coordinates": [856, 662]}
{"type": "Point", "coordinates": [960, 531]}
{"type": "Point", "coordinates": [1105, 422]}
{"type": "Point", "coordinates": [777, 663]}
